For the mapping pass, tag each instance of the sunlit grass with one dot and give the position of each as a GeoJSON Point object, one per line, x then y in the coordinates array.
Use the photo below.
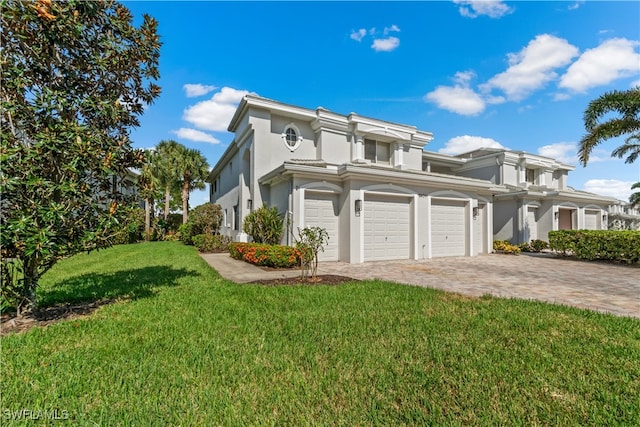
{"type": "Point", "coordinates": [187, 347]}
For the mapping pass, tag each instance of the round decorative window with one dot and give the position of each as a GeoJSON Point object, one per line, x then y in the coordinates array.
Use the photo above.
{"type": "Point", "coordinates": [291, 137]}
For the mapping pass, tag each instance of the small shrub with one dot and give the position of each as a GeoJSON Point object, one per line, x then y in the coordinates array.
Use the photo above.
{"type": "Point", "coordinates": [211, 242]}
{"type": "Point", "coordinates": [206, 219]}
{"type": "Point", "coordinates": [172, 236]}
{"type": "Point", "coordinates": [534, 246]}
{"type": "Point", "coordinates": [264, 225]}
{"type": "Point", "coordinates": [186, 233]}
{"type": "Point", "coordinates": [277, 256]}
{"type": "Point", "coordinates": [506, 247]}
{"type": "Point", "coordinates": [132, 229]}
{"type": "Point", "coordinates": [310, 242]}
{"type": "Point", "coordinates": [538, 245]}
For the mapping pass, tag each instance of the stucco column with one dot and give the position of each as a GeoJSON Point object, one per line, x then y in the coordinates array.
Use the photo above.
{"type": "Point", "coordinates": [358, 154]}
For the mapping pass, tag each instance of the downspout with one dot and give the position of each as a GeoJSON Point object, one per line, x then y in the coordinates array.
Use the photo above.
{"type": "Point", "coordinates": [289, 212]}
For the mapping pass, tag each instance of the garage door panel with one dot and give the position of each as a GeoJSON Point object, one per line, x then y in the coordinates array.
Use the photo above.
{"type": "Point", "coordinates": [386, 228]}
{"type": "Point", "coordinates": [321, 210]}
{"type": "Point", "coordinates": [448, 228]}
{"type": "Point", "coordinates": [591, 220]}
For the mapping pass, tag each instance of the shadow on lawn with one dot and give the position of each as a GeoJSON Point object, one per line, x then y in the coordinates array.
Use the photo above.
{"type": "Point", "coordinates": [82, 295]}
{"type": "Point", "coordinates": [128, 284]}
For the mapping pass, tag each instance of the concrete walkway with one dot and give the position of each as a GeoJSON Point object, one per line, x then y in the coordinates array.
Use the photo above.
{"type": "Point", "coordinates": [243, 272]}
{"type": "Point", "coordinates": [598, 286]}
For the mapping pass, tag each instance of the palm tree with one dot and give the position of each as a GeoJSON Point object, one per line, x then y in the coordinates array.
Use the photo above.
{"type": "Point", "coordinates": [627, 104]}
{"type": "Point", "coordinates": [165, 170]}
{"type": "Point", "coordinates": [629, 148]}
{"type": "Point", "coordinates": [194, 169]}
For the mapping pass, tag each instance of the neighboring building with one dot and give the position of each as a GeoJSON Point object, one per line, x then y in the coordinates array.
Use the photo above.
{"type": "Point", "coordinates": [623, 216]}
{"type": "Point", "coordinates": [538, 200]}
{"type": "Point", "coordinates": [379, 195]}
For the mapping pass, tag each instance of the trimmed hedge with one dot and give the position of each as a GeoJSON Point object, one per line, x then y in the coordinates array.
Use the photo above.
{"type": "Point", "coordinates": [265, 255]}
{"type": "Point", "coordinates": [590, 245]}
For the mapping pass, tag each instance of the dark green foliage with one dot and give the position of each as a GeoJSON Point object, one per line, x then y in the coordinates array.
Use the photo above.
{"type": "Point", "coordinates": [264, 225]}
{"type": "Point", "coordinates": [132, 228]}
{"type": "Point", "coordinates": [203, 219]}
{"type": "Point", "coordinates": [265, 255]}
{"type": "Point", "coordinates": [186, 233]}
{"type": "Point", "coordinates": [76, 76]}
{"type": "Point", "coordinates": [211, 242]}
{"type": "Point", "coordinates": [591, 245]}
{"type": "Point", "coordinates": [535, 246]}
{"type": "Point", "coordinates": [174, 221]}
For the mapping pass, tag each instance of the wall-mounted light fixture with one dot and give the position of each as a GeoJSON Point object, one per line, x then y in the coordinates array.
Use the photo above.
{"type": "Point", "coordinates": [249, 204]}
{"type": "Point", "coordinates": [475, 212]}
{"type": "Point", "coordinates": [556, 215]}
{"type": "Point", "coordinates": [358, 206]}
{"type": "Point", "coordinates": [604, 217]}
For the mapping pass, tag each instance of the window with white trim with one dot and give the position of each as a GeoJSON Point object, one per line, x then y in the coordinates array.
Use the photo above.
{"type": "Point", "coordinates": [291, 137]}
{"type": "Point", "coordinates": [530, 176]}
{"type": "Point", "coordinates": [377, 151]}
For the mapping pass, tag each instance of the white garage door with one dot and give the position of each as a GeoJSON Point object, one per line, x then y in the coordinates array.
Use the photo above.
{"type": "Point", "coordinates": [532, 225]}
{"type": "Point", "coordinates": [321, 210]}
{"type": "Point", "coordinates": [386, 228]}
{"type": "Point", "coordinates": [591, 220]}
{"type": "Point", "coordinates": [448, 228]}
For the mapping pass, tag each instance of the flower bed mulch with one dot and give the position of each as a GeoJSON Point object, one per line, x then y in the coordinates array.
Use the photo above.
{"type": "Point", "coordinates": [10, 323]}
{"type": "Point", "coordinates": [321, 279]}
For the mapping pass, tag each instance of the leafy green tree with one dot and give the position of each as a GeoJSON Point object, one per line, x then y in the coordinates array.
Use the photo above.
{"type": "Point", "coordinates": [76, 76]}
{"type": "Point", "coordinates": [627, 105]}
{"type": "Point", "coordinates": [193, 169]}
{"type": "Point", "coordinates": [634, 199]}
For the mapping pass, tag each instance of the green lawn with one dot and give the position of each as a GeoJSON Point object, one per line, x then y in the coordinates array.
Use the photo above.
{"type": "Point", "coordinates": [185, 347]}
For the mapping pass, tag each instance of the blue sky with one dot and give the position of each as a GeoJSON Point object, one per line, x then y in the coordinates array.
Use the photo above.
{"type": "Point", "coordinates": [475, 73]}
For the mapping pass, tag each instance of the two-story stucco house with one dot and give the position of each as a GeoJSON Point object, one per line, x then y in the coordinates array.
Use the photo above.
{"type": "Point", "coordinates": [377, 192]}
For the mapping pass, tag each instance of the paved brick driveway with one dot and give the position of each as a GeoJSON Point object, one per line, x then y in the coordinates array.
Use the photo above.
{"type": "Point", "coordinates": [597, 286]}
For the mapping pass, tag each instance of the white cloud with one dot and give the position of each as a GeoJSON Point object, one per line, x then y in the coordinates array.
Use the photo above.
{"type": "Point", "coordinates": [466, 143]}
{"type": "Point", "coordinates": [195, 135]}
{"type": "Point", "coordinates": [532, 67]}
{"type": "Point", "coordinates": [575, 5]}
{"type": "Point", "coordinates": [393, 28]}
{"type": "Point", "coordinates": [635, 83]}
{"type": "Point", "coordinates": [385, 45]}
{"type": "Point", "coordinates": [609, 187]}
{"type": "Point", "coordinates": [460, 98]}
{"type": "Point", "coordinates": [613, 59]}
{"type": "Point", "coordinates": [358, 35]}
{"type": "Point", "coordinates": [216, 113]}
{"type": "Point", "coordinates": [475, 8]}
{"type": "Point", "coordinates": [457, 99]}
{"type": "Point", "coordinates": [561, 151]}
{"type": "Point", "coordinates": [197, 89]}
